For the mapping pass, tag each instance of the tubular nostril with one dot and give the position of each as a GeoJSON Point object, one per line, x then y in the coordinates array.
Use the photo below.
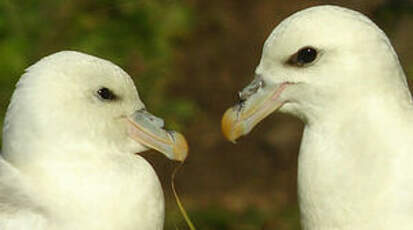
{"type": "Point", "coordinates": [143, 114]}
{"type": "Point", "coordinates": [251, 89]}
{"type": "Point", "coordinates": [241, 98]}
{"type": "Point", "coordinates": [262, 83]}
{"type": "Point", "coordinates": [157, 121]}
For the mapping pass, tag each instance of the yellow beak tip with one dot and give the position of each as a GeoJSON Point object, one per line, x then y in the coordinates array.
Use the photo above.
{"type": "Point", "coordinates": [229, 125]}
{"type": "Point", "coordinates": [180, 149]}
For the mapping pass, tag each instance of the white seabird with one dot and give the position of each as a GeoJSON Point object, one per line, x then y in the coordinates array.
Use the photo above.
{"type": "Point", "coordinates": [336, 70]}
{"type": "Point", "coordinates": [70, 136]}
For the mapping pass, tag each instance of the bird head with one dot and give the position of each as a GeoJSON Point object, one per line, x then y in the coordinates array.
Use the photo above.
{"type": "Point", "coordinates": [311, 63]}
{"type": "Point", "coordinates": [80, 101]}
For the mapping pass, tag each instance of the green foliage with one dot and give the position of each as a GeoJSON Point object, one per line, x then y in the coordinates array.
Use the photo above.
{"type": "Point", "coordinates": [140, 36]}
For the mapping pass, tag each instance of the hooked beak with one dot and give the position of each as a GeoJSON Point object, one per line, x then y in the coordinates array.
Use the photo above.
{"type": "Point", "coordinates": [148, 130]}
{"type": "Point", "coordinates": [257, 101]}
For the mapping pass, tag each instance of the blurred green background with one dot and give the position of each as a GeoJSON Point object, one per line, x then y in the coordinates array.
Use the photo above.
{"type": "Point", "coordinates": [188, 59]}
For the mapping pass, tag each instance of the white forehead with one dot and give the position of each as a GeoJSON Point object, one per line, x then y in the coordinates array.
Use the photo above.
{"type": "Point", "coordinates": [77, 72]}
{"type": "Point", "coordinates": [76, 65]}
{"type": "Point", "coordinates": [324, 26]}
{"type": "Point", "coordinates": [69, 81]}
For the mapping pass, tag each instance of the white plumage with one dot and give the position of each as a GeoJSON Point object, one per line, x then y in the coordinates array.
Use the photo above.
{"type": "Point", "coordinates": [356, 155]}
{"type": "Point", "coordinates": [68, 157]}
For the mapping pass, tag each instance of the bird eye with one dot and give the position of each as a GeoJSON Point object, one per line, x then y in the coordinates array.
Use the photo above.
{"type": "Point", "coordinates": [304, 56]}
{"type": "Point", "coordinates": [106, 94]}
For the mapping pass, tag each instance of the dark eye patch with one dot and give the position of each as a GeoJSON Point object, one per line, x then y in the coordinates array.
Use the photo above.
{"type": "Point", "coordinates": [106, 94]}
{"type": "Point", "coordinates": [303, 57]}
